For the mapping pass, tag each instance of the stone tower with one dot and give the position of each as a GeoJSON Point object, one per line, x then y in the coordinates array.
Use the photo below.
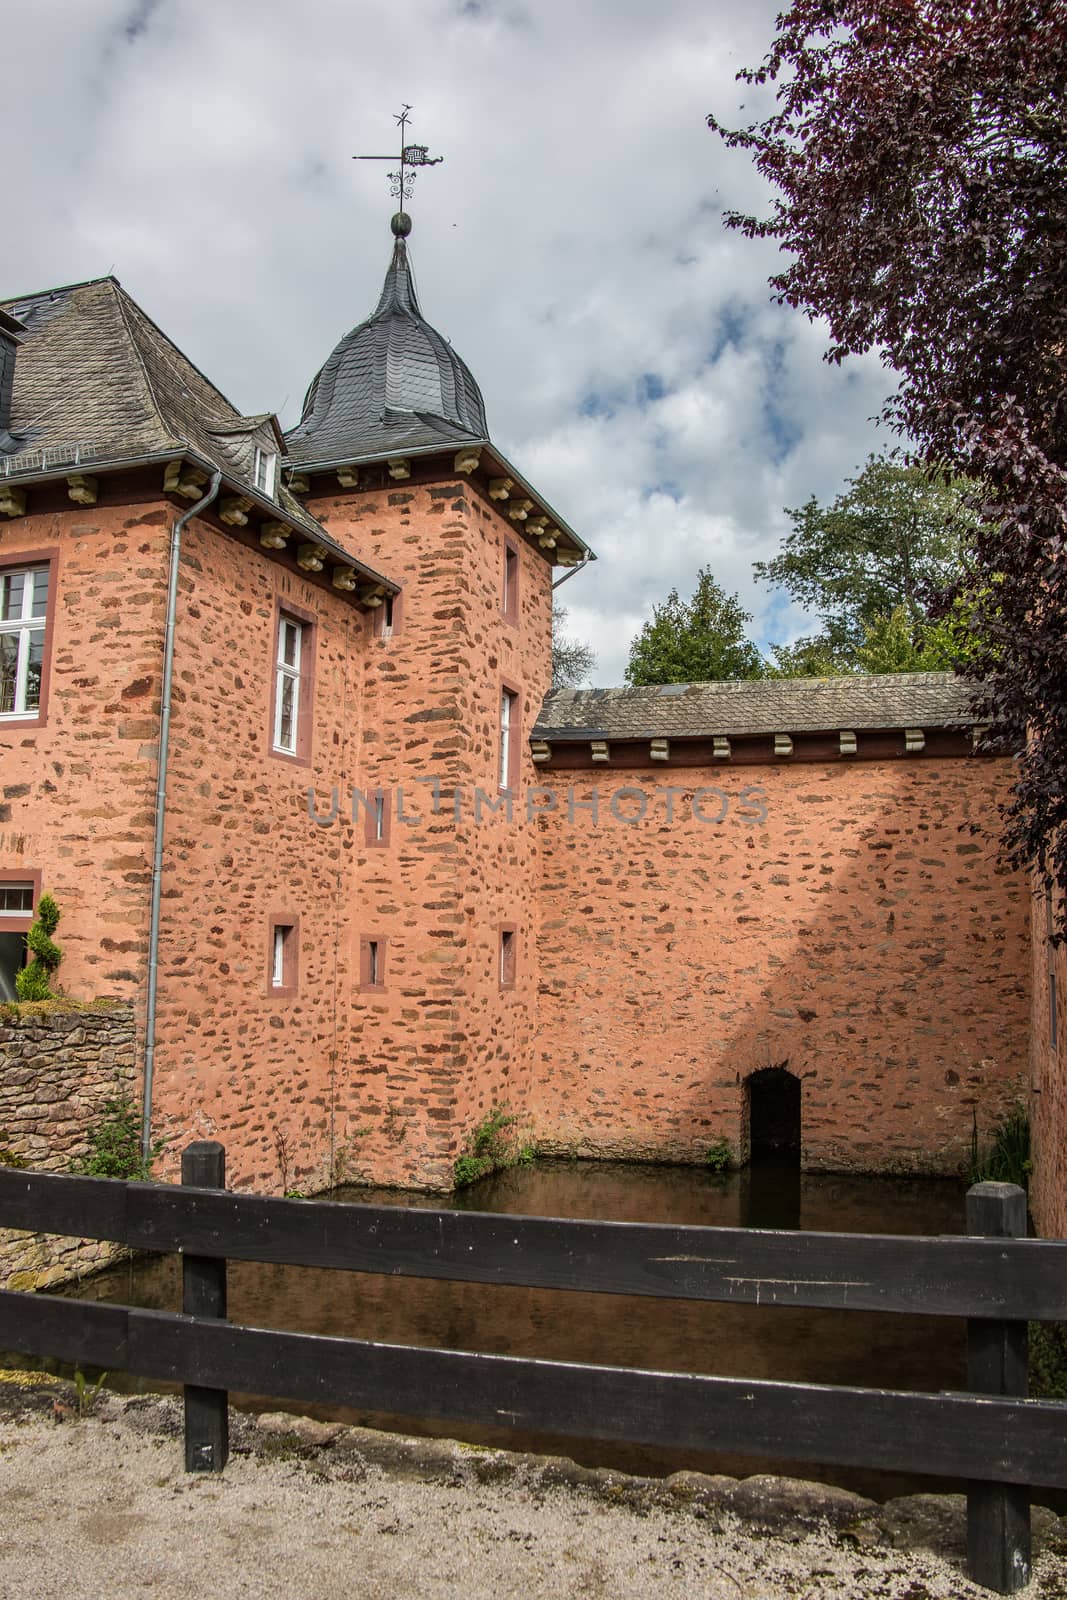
{"type": "Point", "coordinates": [393, 455]}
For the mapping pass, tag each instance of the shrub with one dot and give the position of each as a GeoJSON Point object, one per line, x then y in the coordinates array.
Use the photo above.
{"type": "Point", "coordinates": [489, 1148]}
{"type": "Point", "coordinates": [718, 1156]}
{"type": "Point", "coordinates": [115, 1144]}
{"type": "Point", "coordinates": [34, 981]}
{"type": "Point", "coordinates": [1048, 1360]}
{"type": "Point", "coordinates": [1007, 1157]}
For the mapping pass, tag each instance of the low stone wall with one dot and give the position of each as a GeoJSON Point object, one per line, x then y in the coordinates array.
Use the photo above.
{"type": "Point", "coordinates": [59, 1063]}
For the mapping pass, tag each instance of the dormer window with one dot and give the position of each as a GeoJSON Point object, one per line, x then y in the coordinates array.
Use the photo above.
{"type": "Point", "coordinates": [265, 470]}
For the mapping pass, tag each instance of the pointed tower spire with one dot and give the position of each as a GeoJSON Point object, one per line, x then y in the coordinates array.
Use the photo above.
{"type": "Point", "coordinates": [391, 386]}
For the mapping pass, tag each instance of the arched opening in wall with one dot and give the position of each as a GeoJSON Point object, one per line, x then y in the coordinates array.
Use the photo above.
{"type": "Point", "coordinates": [774, 1115]}
{"type": "Point", "coordinates": [770, 1196]}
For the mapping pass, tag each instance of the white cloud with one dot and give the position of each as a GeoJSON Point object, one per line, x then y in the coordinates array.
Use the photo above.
{"type": "Point", "coordinates": [570, 245]}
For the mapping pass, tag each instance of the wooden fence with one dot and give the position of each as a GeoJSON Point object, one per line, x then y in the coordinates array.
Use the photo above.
{"type": "Point", "coordinates": [991, 1435]}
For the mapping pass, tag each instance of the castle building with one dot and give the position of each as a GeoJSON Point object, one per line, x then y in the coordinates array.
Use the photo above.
{"type": "Point", "coordinates": [276, 731]}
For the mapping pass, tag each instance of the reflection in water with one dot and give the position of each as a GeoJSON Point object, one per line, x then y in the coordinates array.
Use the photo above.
{"type": "Point", "coordinates": [862, 1348]}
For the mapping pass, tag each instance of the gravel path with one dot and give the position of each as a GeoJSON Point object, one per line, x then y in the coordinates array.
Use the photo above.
{"type": "Point", "coordinates": [100, 1507]}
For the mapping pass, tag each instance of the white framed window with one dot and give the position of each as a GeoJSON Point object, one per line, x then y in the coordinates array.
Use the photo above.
{"type": "Point", "coordinates": [23, 609]}
{"type": "Point", "coordinates": [16, 899]}
{"type": "Point", "coordinates": [282, 934]}
{"type": "Point", "coordinates": [264, 470]}
{"type": "Point", "coordinates": [508, 703]}
{"type": "Point", "coordinates": [287, 684]}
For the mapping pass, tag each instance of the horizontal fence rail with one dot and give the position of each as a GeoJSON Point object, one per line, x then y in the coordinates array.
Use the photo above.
{"type": "Point", "coordinates": [949, 1276]}
{"type": "Point", "coordinates": [992, 1435]}
{"type": "Point", "coordinates": [1017, 1441]}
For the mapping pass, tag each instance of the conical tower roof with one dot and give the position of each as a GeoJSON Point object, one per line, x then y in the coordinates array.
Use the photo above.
{"type": "Point", "coordinates": [391, 386]}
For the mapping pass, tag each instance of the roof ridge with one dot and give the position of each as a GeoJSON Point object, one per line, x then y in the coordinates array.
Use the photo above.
{"type": "Point", "coordinates": [60, 288]}
{"type": "Point", "coordinates": [856, 678]}
{"type": "Point", "coordinates": [120, 299]}
{"type": "Point", "coordinates": [125, 299]}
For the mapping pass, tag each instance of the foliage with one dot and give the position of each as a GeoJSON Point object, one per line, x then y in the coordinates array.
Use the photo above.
{"type": "Point", "coordinates": [9, 1157]}
{"type": "Point", "coordinates": [572, 661]}
{"type": "Point", "coordinates": [807, 658]}
{"type": "Point", "coordinates": [34, 981]}
{"type": "Point", "coordinates": [718, 1156]}
{"type": "Point", "coordinates": [1007, 1158]}
{"type": "Point", "coordinates": [1048, 1360]}
{"type": "Point", "coordinates": [895, 643]}
{"type": "Point", "coordinates": [115, 1144]}
{"type": "Point", "coordinates": [695, 641]}
{"type": "Point", "coordinates": [919, 154]}
{"type": "Point", "coordinates": [87, 1392]}
{"type": "Point", "coordinates": [871, 567]}
{"type": "Point", "coordinates": [490, 1147]}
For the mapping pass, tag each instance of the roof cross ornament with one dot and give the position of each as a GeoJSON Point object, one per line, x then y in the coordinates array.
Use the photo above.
{"type": "Point", "coordinates": [411, 155]}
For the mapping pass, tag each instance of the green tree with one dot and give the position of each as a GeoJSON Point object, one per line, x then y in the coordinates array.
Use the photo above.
{"type": "Point", "coordinates": [34, 981]}
{"type": "Point", "coordinates": [807, 658]}
{"type": "Point", "coordinates": [889, 543]}
{"type": "Point", "coordinates": [919, 170]}
{"type": "Point", "coordinates": [894, 643]}
{"type": "Point", "coordinates": [573, 661]}
{"type": "Point", "coordinates": [695, 641]}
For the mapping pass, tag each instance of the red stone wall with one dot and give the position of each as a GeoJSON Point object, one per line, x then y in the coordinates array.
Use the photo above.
{"type": "Point", "coordinates": [856, 933]}
{"type": "Point", "coordinates": [1048, 1080]}
{"type": "Point", "coordinates": [442, 1042]}
{"type": "Point", "coordinates": [860, 935]}
{"type": "Point", "coordinates": [76, 794]}
{"type": "Point", "coordinates": [234, 1060]}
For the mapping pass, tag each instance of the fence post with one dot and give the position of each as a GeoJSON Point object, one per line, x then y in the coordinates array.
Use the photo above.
{"type": "Point", "coordinates": [207, 1428]}
{"type": "Point", "coordinates": [998, 1514]}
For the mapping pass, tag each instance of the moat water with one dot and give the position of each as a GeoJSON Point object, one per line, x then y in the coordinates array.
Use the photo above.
{"type": "Point", "coordinates": [861, 1348]}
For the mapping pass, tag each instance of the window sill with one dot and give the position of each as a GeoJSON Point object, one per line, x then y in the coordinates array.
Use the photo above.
{"type": "Point", "coordinates": [293, 757]}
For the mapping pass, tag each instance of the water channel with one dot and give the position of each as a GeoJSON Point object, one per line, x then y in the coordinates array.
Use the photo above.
{"type": "Point", "coordinates": [862, 1348]}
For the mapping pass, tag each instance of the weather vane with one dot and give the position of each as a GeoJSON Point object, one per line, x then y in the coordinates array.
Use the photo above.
{"type": "Point", "coordinates": [411, 155]}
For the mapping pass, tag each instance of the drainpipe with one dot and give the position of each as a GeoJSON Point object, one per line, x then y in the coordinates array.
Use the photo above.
{"type": "Point", "coordinates": [161, 807]}
{"type": "Point", "coordinates": [587, 556]}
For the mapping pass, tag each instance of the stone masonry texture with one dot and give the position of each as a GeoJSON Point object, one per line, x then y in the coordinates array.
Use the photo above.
{"type": "Point", "coordinates": [1048, 1079]}
{"type": "Point", "coordinates": [57, 1070]}
{"type": "Point", "coordinates": [839, 921]}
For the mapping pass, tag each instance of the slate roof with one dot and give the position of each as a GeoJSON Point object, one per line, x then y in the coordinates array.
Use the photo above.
{"type": "Point", "coordinates": [392, 385]}
{"type": "Point", "coordinates": [760, 706]}
{"type": "Point", "coordinates": [97, 382]}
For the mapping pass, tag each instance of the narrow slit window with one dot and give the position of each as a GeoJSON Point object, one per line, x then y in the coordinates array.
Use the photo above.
{"type": "Point", "coordinates": [507, 958]}
{"type": "Point", "coordinates": [388, 617]}
{"type": "Point", "coordinates": [508, 734]}
{"type": "Point", "coordinates": [23, 612]}
{"type": "Point", "coordinates": [287, 685]}
{"type": "Point", "coordinates": [283, 932]}
{"type": "Point", "coordinates": [372, 964]}
{"type": "Point", "coordinates": [511, 583]}
{"type": "Point", "coordinates": [379, 815]}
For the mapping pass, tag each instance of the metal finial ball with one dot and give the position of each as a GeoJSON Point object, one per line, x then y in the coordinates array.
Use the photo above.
{"type": "Point", "coordinates": [401, 225]}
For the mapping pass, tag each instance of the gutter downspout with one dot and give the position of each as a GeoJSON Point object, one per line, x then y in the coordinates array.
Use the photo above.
{"type": "Point", "coordinates": [587, 556]}
{"type": "Point", "coordinates": [161, 807]}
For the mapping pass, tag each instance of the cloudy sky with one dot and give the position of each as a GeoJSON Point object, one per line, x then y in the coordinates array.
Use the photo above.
{"type": "Point", "coordinates": [570, 246]}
